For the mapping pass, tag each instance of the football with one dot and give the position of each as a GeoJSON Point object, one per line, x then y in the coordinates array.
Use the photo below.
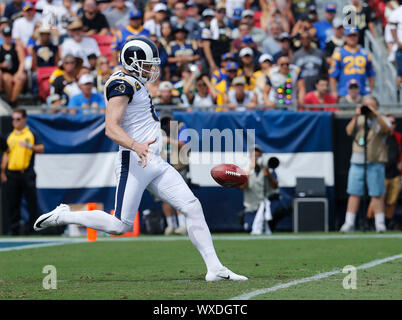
{"type": "Point", "coordinates": [229, 175]}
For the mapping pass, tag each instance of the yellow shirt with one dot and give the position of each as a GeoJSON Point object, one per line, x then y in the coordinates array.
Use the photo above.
{"type": "Point", "coordinates": [19, 158]}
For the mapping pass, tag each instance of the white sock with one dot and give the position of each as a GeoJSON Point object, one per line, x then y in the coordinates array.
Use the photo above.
{"type": "Point", "coordinates": [95, 219]}
{"type": "Point", "coordinates": [200, 235]}
{"type": "Point", "coordinates": [379, 218]}
{"type": "Point", "coordinates": [182, 220]}
{"type": "Point", "coordinates": [350, 218]}
{"type": "Point", "coordinates": [170, 221]}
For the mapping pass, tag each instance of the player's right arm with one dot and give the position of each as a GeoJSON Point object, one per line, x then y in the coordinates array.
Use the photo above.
{"type": "Point", "coordinates": [115, 109]}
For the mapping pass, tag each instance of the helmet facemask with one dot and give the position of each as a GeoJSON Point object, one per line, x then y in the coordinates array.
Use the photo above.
{"type": "Point", "coordinates": [146, 71]}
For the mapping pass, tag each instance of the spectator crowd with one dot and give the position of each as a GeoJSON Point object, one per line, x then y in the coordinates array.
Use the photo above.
{"type": "Point", "coordinates": [234, 54]}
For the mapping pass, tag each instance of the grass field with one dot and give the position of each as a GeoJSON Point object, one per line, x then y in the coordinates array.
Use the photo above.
{"type": "Point", "coordinates": [150, 268]}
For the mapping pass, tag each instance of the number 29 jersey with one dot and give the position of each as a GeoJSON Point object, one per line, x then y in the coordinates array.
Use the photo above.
{"type": "Point", "coordinates": [139, 120]}
{"type": "Point", "coordinates": [347, 64]}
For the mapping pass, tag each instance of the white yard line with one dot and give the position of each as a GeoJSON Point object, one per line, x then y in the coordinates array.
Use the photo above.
{"type": "Point", "coordinates": [38, 245]}
{"type": "Point", "coordinates": [319, 276]}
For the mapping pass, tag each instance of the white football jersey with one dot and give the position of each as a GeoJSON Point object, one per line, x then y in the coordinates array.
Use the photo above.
{"type": "Point", "coordinates": [139, 120]}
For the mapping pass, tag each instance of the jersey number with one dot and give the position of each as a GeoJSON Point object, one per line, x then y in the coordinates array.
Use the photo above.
{"type": "Point", "coordinates": [354, 65]}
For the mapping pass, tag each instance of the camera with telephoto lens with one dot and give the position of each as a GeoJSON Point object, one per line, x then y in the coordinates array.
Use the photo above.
{"type": "Point", "coordinates": [365, 110]}
{"type": "Point", "coordinates": [272, 163]}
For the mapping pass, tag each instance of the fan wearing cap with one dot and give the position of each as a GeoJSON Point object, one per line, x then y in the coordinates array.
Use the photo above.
{"type": "Point", "coordinates": [220, 41]}
{"type": "Point", "coordinates": [257, 34]}
{"type": "Point", "coordinates": [44, 52]}
{"type": "Point", "coordinates": [12, 57]}
{"type": "Point", "coordinates": [248, 67]}
{"type": "Point", "coordinates": [234, 21]}
{"type": "Point", "coordinates": [353, 96]}
{"type": "Point", "coordinates": [324, 27]}
{"type": "Point", "coordinates": [220, 74]}
{"type": "Point", "coordinates": [180, 20]}
{"type": "Point", "coordinates": [134, 29]}
{"type": "Point", "coordinates": [223, 86]}
{"type": "Point", "coordinates": [4, 22]}
{"type": "Point", "coordinates": [93, 20]}
{"type": "Point", "coordinates": [23, 27]}
{"type": "Point", "coordinates": [238, 98]}
{"type": "Point", "coordinates": [182, 50]}
{"type": "Point", "coordinates": [193, 10]}
{"type": "Point", "coordinates": [87, 101]}
{"type": "Point", "coordinates": [351, 62]}
{"type": "Point", "coordinates": [154, 25]}
{"type": "Point", "coordinates": [205, 37]}
{"type": "Point", "coordinates": [265, 61]}
{"type": "Point", "coordinates": [286, 46]}
{"type": "Point", "coordinates": [79, 45]}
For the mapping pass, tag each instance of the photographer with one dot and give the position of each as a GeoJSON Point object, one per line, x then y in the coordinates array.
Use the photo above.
{"type": "Point", "coordinates": [378, 128]}
{"type": "Point", "coordinates": [263, 205]}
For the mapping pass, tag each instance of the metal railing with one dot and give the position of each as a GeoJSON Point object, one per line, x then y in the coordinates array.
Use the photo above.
{"type": "Point", "coordinates": [385, 79]}
{"type": "Point", "coordinates": [384, 108]}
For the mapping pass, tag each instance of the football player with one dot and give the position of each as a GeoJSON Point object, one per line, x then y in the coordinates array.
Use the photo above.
{"type": "Point", "coordinates": [132, 123]}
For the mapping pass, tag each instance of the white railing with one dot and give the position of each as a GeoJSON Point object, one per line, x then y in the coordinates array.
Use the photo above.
{"type": "Point", "coordinates": [385, 79]}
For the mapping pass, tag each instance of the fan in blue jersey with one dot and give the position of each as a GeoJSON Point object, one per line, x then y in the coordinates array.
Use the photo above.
{"type": "Point", "coordinates": [351, 62]}
{"type": "Point", "coordinates": [134, 29]}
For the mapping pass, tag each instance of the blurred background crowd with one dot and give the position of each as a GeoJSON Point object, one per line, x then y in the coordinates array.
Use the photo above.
{"type": "Point", "coordinates": [236, 54]}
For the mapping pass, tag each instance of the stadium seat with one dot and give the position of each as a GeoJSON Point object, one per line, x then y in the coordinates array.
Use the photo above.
{"type": "Point", "coordinates": [43, 75]}
{"type": "Point", "coordinates": [104, 43]}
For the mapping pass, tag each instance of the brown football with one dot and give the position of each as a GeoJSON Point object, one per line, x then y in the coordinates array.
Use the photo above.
{"type": "Point", "coordinates": [229, 175]}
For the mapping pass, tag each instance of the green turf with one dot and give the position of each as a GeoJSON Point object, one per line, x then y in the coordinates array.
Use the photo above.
{"type": "Point", "coordinates": [175, 270]}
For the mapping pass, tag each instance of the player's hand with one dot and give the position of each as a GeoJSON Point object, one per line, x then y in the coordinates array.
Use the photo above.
{"type": "Point", "coordinates": [142, 149]}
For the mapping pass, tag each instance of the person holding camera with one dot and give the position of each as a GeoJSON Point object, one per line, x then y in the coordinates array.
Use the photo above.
{"type": "Point", "coordinates": [370, 130]}
{"type": "Point", "coordinates": [262, 202]}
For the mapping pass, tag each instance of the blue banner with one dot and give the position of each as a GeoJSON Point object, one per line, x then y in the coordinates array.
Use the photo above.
{"type": "Point", "coordinates": [77, 166]}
